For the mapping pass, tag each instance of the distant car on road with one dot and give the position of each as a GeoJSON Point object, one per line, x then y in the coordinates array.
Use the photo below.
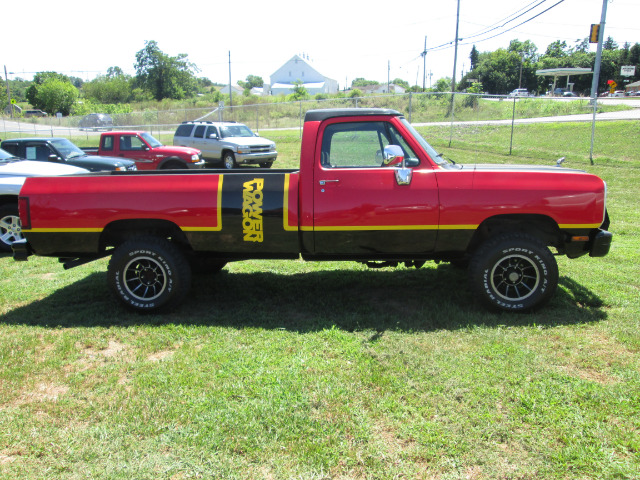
{"type": "Point", "coordinates": [96, 121]}
{"type": "Point", "coordinates": [617, 93]}
{"type": "Point", "coordinates": [569, 94]}
{"type": "Point", "coordinates": [34, 113]}
{"type": "Point", "coordinates": [520, 92]}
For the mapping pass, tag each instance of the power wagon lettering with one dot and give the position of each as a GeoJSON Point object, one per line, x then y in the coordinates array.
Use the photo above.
{"type": "Point", "coordinates": [252, 210]}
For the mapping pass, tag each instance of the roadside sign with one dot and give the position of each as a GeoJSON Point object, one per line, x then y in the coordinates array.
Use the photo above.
{"type": "Point", "coordinates": [628, 70]}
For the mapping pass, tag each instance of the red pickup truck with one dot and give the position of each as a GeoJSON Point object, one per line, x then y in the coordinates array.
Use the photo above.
{"type": "Point", "coordinates": [369, 188]}
{"type": "Point", "coordinates": [146, 151]}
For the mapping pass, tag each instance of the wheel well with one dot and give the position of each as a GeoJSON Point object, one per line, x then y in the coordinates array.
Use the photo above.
{"type": "Point", "coordinates": [120, 231]}
{"type": "Point", "coordinates": [172, 160]}
{"type": "Point", "coordinates": [8, 200]}
{"type": "Point", "coordinates": [541, 227]}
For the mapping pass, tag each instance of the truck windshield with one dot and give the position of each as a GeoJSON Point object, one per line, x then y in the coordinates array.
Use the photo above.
{"type": "Point", "coordinates": [235, 131]}
{"type": "Point", "coordinates": [67, 149]}
{"type": "Point", "coordinates": [435, 156]}
{"type": "Point", "coordinates": [153, 143]}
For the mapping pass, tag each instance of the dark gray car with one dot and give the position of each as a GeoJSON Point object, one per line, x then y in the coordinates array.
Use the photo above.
{"type": "Point", "coordinates": [62, 150]}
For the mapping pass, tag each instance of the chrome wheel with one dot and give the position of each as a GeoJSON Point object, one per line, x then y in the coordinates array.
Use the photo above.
{"type": "Point", "coordinates": [10, 227]}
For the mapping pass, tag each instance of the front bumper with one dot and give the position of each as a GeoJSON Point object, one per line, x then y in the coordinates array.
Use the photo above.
{"type": "Point", "coordinates": [255, 158]}
{"type": "Point", "coordinates": [199, 164]}
{"type": "Point", "coordinates": [601, 244]}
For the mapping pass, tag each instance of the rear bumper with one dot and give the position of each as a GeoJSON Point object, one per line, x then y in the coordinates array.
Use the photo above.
{"type": "Point", "coordinates": [21, 250]}
{"type": "Point", "coordinates": [601, 244]}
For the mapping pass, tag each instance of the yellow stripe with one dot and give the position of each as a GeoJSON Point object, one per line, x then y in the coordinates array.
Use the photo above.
{"type": "Point", "coordinates": [285, 207]}
{"type": "Point", "coordinates": [579, 225]}
{"type": "Point", "coordinates": [64, 230]}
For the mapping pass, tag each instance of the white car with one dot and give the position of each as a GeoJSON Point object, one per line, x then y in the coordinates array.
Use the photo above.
{"type": "Point", "coordinates": [520, 92]}
{"type": "Point", "coordinates": [13, 172]}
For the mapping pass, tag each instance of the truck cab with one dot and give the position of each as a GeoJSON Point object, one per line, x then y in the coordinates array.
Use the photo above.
{"type": "Point", "coordinates": [148, 152]}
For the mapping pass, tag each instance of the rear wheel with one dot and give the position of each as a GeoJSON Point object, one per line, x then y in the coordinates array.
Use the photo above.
{"type": "Point", "coordinates": [10, 228]}
{"type": "Point", "coordinates": [514, 272]}
{"type": "Point", "coordinates": [148, 274]}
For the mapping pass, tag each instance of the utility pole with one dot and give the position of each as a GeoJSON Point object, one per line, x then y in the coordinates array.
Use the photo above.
{"type": "Point", "coordinates": [596, 75]}
{"type": "Point", "coordinates": [8, 91]}
{"type": "Point", "coordinates": [453, 80]}
{"type": "Point", "coordinates": [424, 64]}
{"type": "Point", "coordinates": [230, 92]}
{"type": "Point", "coordinates": [388, 76]}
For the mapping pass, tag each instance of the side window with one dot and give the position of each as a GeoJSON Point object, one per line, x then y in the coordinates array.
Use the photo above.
{"type": "Point", "coordinates": [107, 142]}
{"type": "Point", "coordinates": [359, 144]}
{"type": "Point", "coordinates": [136, 143]}
{"type": "Point", "coordinates": [38, 152]}
{"type": "Point", "coordinates": [211, 131]}
{"type": "Point", "coordinates": [184, 130]}
{"type": "Point", "coordinates": [125, 142]}
{"type": "Point", "coordinates": [199, 133]}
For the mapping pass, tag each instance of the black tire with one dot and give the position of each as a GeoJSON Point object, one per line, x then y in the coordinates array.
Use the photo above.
{"type": "Point", "coordinates": [266, 164]}
{"type": "Point", "coordinates": [149, 274]}
{"type": "Point", "coordinates": [229, 160]}
{"type": "Point", "coordinates": [10, 228]}
{"type": "Point", "coordinates": [513, 272]}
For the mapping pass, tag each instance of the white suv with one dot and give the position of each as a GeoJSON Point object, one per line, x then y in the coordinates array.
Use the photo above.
{"type": "Point", "coordinates": [230, 143]}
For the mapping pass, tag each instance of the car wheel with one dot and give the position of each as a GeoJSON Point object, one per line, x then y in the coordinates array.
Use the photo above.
{"type": "Point", "coordinates": [10, 228]}
{"type": "Point", "coordinates": [266, 164]}
{"type": "Point", "coordinates": [149, 274]}
{"type": "Point", "coordinates": [513, 272]}
{"type": "Point", "coordinates": [229, 160]}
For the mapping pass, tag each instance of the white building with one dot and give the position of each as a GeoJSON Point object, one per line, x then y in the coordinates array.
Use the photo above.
{"type": "Point", "coordinates": [298, 69]}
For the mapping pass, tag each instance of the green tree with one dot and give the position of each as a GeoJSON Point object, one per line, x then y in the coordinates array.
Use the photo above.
{"type": "Point", "coordinates": [38, 79]}
{"type": "Point", "coordinates": [55, 95]}
{"type": "Point", "coordinates": [299, 92]}
{"type": "Point", "coordinates": [557, 49]}
{"type": "Point", "coordinates": [164, 76]}
{"type": "Point", "coordinates": [361, 82]}
{"type": "Point", "coordinates": [609, 44]}
{"type": "Point", "coordinates": [403, 83]}
{"type": "Point", "coordinates": [474, 57]}
{"type": "Point", "coordinates": [106, 89]}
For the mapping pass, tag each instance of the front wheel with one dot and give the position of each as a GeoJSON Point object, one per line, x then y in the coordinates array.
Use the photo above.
{"type": "Point", "coordinates": [10, 228]}
{"type": "Point", "coordinates": [148, 274]}
{"type": "Point", "coordinates": [513, 272]}
{"type": "Point", "coordinates": [229, 160]}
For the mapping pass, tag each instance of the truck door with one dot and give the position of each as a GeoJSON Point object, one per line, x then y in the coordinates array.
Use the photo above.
{"type": "Point", "coordinates": [360, 208]}
{"type": "Point", "coordinates": [132, 147]}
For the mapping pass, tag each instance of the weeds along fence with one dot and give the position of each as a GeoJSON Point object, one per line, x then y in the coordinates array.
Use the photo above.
{"type": "Point", "coordinates": [437, 109]}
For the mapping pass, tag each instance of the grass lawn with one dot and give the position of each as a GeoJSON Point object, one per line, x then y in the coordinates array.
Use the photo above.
{"type": "Point", "coordinates": [294, 370]}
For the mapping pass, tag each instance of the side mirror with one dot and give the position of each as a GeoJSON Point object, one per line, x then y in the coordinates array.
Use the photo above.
{"type": "Point", "coordinates": [213, 136]}
{"type": "Point", "coordinates": [54, 158]}
{"type": "Point", "coordinates": [393, 155]}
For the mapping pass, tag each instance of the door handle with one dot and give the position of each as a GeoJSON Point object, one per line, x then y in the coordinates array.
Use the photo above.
{"type": "Point", "coordinates": [324, 182]}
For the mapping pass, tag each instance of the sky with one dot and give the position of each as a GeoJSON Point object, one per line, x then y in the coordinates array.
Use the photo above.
{"type": "Point", "coordinates": [343, 40]}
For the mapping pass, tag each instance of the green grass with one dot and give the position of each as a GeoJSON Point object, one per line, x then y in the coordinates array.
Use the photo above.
{"type": "Point", "coordinates": [294, 370]}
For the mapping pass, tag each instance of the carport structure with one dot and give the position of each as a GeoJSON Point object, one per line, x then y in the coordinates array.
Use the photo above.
{"type": "Point", "coordinates": [561, 72]}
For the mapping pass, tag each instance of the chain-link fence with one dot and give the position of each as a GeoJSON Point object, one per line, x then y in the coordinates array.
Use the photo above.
{"type": "Point", "coordinates": [424, 109]}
